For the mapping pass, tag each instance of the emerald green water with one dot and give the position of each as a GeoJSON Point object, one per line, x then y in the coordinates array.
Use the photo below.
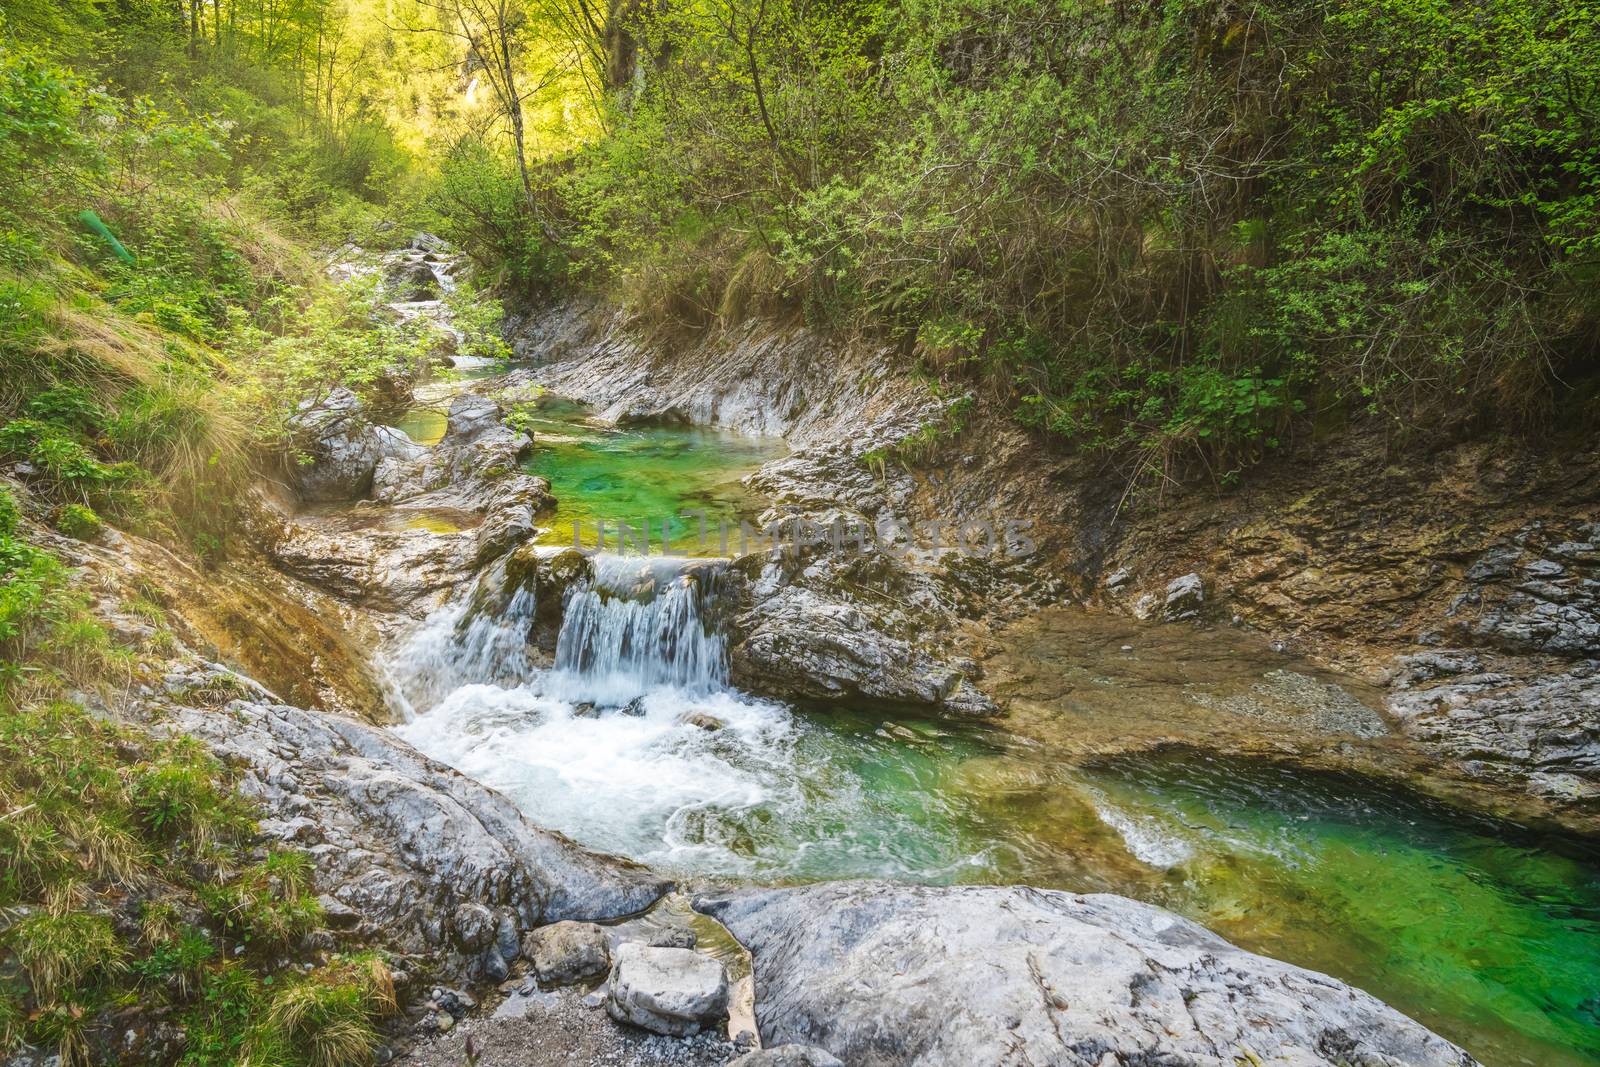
{"type": "Point", "coordinates": [644, 474]}
{"type": "Point", "coordinates": [1483, 931]}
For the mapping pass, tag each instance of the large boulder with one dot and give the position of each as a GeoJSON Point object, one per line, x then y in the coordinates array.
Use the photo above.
{"type": "Point", "coordinates": [673, 991]}
{"type": "Point", "coordinates": [431, 861]}
{"type": "Point", "coordinates": [567, 952]}
{"type": "Point", "coordinates": [339, 449]}
{"type": "Point", "coordinates": [800, 644]}
{"type": "Point", "coordinates": [885, 975]}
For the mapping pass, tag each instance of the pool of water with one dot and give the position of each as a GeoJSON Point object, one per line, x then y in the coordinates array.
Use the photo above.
{"type": "Point", "coordinates": [642, 474]}
{"type": "Point", "coordinates": [1483, 931]}
{"type": "Point", "coordinates": [1489, 935]}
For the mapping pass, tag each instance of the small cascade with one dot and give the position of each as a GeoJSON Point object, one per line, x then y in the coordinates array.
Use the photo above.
{"type": "Point", "coordinates": [639, 625]}
{"type": "Point", "coordinates": [479, 639]}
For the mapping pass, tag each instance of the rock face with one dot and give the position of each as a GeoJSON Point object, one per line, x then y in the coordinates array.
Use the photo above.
{"type": "Point", "coordinates": [1502, 724]}
{"type": "Point", "coordinates": [430, 860]}
{"type": "Point", "coordinates": [885, 975]}
{"type": "Point", "coordinates": [567, 952]}
{"type": "Point", "coordinates": [857, 626]}
{"type": "Point", "coordinates": [394, 557]}
{"type": "Point", "coordinates": [674, 991]}
{"type": "Point", "coordinates": [343, 448]}
{"type": "Point", "coordinates": [801, 645]}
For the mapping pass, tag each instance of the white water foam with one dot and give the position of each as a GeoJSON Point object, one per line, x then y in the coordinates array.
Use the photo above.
{"type": "Point", "coordinates": [601, 746]}
{"type": "Point", "coordinates": [633, 742]}
{"type": "Point", "coordinates": [1146, 837]}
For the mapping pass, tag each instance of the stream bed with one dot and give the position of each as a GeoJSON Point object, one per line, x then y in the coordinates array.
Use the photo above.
{"type": "Point", "coordinates": [634, 743]}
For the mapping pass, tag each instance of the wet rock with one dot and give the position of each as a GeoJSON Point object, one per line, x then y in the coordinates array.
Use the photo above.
{"type": "Point", "coordinates": [474, 925]}
{"type": "Point", "coordinates": [673, 937]}
{"type": "Point", "coordinates": [412, 281]}
{"type": "Point", "coordinates": [568, 952]}
{"type": "Point", "coordinates": [897, 974]}
{"type": "Point", "coordinates": [1503, 726]}
{"type": "Point", "coordinates": [492, 967]}
{"type": "Point", "coordinates": [457, 1002]}
{"type": "Point", "coordinates": [549, 573]}
{"type": "Point", "coordinates": [788, 1056]}
{"type": "Point", "coordinates": [799, 644]}
{"type": "Point", "coordinates": [342, 449]}
{"type": "Point", "coordinates": [701, 719]}
{"type": "Point", "coordinates": [672, 991]}
{"type": "Point", "coordinates": [433, 860]}
{"type": "Point", "coordinates": [1184, 598]}
{"type": "Point", "coordinates": [428, 242]}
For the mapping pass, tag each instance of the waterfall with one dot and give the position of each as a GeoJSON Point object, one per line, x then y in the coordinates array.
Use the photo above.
{"type": "Point", "coordinates": [481, 638]}
{"type": "Point", "coordinates": [640, 625]}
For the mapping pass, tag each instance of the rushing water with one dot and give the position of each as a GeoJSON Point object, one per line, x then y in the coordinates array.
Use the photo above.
{"type": "Point", "coordinates": [633, 742]}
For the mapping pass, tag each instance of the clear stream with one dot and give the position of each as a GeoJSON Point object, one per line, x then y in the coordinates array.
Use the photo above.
{"type": "Point", "coordinates": [1486, 933]}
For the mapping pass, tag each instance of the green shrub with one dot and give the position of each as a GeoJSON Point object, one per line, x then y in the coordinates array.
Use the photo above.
{"type": "Point", "coordinates": [79, 521]}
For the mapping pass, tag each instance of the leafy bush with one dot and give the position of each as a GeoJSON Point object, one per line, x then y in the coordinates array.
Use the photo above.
{"type": "Point", "coordinates": [76, 520]}
{"type": "Point", "coordinates": [1187, 230]}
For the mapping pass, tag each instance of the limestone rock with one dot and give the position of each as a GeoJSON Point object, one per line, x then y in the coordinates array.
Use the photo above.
{"type": "Point", "coordinates": [1184, 598]}
{"type": "Point", "coordinates": [788, 1056]}
{"type": "Point", "coordinates": [893, 975]}
{"type": "Point", "coordinates": [673, 991]}
{"type": "Point", "coordinates": [432, 861]}
{"type": "Point", "coordinates": [567, 952]}
{"type": "Point", "coordinates": [801, 644]}
{"type": "Point", "coordinates": [343, 448]}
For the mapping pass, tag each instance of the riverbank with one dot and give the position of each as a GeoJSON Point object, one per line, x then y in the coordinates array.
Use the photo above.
{"type": "Point", "coordinates": [831, 713]}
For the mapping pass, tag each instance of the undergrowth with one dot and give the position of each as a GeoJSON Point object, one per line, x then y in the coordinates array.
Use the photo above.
{"type": "Point", "coordinates": [132, 872]}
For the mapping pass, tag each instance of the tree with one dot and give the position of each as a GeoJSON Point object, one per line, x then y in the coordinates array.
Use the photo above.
{"type": "Point", "coordinates": [495, 33]}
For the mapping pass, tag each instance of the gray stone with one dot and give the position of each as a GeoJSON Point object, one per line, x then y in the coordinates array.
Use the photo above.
{"type": "Point", "coordinates": [434, 860]}
{"type": "Point", "coordinates": [1185, 598]}
{"type": "Point", "coordinates": [802, 644]}
{"type": "Point", "coordinates": [474, 924]}
{"type": "Point", "coordinates": [1542, 729]}
{"type": "Point", "coordinates": [788, 1056]}
{"type": "Point", "coordinates": [894, 975]}
{"type": "Point", "coordinates": [672, 991]}
{"type": "Point", "coordinates": [568, 952]}
{"type": "Point", "coordinates": [342, 448]}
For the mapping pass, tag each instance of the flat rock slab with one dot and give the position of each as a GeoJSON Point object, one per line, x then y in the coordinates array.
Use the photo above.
{"type": "Point", "coordinates": [675, 991]}
{"type": "Point", "coordinates": [885, 975]}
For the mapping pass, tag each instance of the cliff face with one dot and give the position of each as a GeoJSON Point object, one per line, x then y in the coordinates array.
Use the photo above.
{"type": "Point", "coordinates": [1460, 584]}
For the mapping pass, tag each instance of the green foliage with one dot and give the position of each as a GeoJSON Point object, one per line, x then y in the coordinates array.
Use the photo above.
{"type": "Point", "coordinates": [79, 521]}
{"type": "Point", "coordinates": [323, 1019]}
{"type": "Point", "coordinates": [267, 905]}
{"type": "Point", "coordinates": [95, 811]}
{"type": "Point", "coordinates": [1190, 229]}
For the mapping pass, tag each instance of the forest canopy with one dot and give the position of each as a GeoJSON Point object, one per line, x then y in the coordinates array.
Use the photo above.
{"type": "Point", "coordinates": [1193, 229]}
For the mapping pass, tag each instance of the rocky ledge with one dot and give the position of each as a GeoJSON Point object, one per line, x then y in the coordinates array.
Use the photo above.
{"type": "Point", "coordinates": [408, 852]}
{"type": "Point", "coordinates": [884, 975]}
{"type": "Point", "coordinates": [422, 521]}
